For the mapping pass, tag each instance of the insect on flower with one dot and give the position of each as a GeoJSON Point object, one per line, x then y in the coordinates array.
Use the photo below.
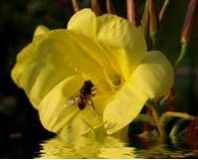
{"type": "Point", "coordinates": [86, 94]}
{"type": "Point", "coordinates": [84, 97]}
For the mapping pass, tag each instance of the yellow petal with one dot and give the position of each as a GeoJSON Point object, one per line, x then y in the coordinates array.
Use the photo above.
{"type": "Point", "coordinates": [86, 122]}
{"type": "Point", "coordinates": [51, 70]}
{"type": "Point", "coordinates": [58, 107]}
{"type": "Point", "coordinates": [123, 42]}
{"type": "Point", "coordinates": [52, 57]}
{"type": "Point", "coordinates": [40, 30]}
{"type": "Point", "coordinates": [152, 78]}
{"type": "Point", "coordinates": [83, 21]}
{"type": "Point", "coordinates": [124, 39]}
{"type": "Point", "coordinates": [59, 112]}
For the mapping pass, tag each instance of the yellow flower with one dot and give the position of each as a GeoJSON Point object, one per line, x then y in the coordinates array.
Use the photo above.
{"type": "Point", "coordinates": [109, 52]}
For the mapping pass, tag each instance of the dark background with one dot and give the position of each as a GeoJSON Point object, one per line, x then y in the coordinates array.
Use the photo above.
{"type": "Point", "coordinates": [20, 128]}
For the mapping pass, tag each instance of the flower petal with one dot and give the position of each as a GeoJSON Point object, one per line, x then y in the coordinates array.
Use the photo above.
{"type": "Point", "coordinates": [51, 70]}
{"type": "Point", "coordinates": [55, 109]}
{"type": "Point", "coordinates": [83, 21]}
{"type": "Point", "coordinates": [52, 57]}
{"type": "Point", "coordinates": [59, 112]}
{"type": "Point", "coordinates": [40, 30]}
{"type": "Point", "coordinates": [123, 42]}
{"type": "Point", "coordinates": [124, 39]}
{"type": "Point", "coordinates": [152, 78]}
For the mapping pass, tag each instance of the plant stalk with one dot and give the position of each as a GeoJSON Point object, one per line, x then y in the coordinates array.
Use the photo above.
{"type": "Point", "coordinates": [131, 12]}
{"type": "Point", "coordinates": [76, 5]}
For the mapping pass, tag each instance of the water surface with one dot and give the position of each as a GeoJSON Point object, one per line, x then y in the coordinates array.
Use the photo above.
{"type": "Point", "coordinates": [111, 147]}
{"type": "Point", "coordinates": [102, 147]}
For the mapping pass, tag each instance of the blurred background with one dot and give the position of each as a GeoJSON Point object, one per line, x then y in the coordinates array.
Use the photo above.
{"type": "Point", "coordinates": [20, 128]}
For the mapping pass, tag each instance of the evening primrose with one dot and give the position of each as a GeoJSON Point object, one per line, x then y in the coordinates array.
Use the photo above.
{"type": "Point", "coordinates": [107, 51]}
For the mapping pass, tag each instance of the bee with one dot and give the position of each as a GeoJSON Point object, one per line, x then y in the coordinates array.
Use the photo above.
{"type": "Point", "coordinates": [86, 94]}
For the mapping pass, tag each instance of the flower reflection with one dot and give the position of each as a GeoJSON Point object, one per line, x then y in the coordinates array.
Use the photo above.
{"type": "Point", "coordinates": [82, 147]}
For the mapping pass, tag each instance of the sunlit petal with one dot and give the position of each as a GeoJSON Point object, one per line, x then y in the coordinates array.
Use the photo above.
{"type": "Point", "coordinates": [152, 78]}
{"type": "Point", "coordinates": [124, 44]}
{"type": "Point", "coordinates": [53, 57]}
{"type": "Point", "coordinates": [41, 30]}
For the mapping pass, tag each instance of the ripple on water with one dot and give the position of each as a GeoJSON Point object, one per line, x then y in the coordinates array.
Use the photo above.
{"type": "Point", "coordinates": [111, 147]}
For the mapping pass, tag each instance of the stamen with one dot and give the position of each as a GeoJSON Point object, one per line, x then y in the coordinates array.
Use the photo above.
{"type": "Point", "coordinates": [117, 81]}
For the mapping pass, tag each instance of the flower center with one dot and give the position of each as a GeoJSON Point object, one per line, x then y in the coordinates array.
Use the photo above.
{"type": "Point", "coordinates": [117, 81]}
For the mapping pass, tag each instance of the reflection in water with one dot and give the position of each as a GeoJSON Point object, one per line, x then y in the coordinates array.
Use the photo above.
{"type": "Point", "coordinates": [163, 152]}
{"type": "Point", "coordinates": [166, 149]}
{"type": "Point", "coordinates": [82, 147]}
{"type": "Point", "coordinates": [111, 147]}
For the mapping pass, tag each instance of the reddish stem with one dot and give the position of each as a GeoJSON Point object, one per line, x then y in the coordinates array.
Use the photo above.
{"type": "Point", "coordinates": [96, 7]}
{"type": "Point", "coordinates": [110, 7]}
{"type": "Point", "coordinates": [131, 12]}
{"type": "Point", "coordinates": [154, 19]}
{"type": "Point", "coordinates": [170, 100]}
{"type": "Point", "coordinates": [76, 5]}
{"type": "Point", "coordinates": [145, 20]}
{"type": "Point", "coordinates": [189, 20]}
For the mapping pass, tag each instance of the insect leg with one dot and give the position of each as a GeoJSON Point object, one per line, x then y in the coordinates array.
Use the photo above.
{"type": "Point", "coordinates": [92, 104]}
